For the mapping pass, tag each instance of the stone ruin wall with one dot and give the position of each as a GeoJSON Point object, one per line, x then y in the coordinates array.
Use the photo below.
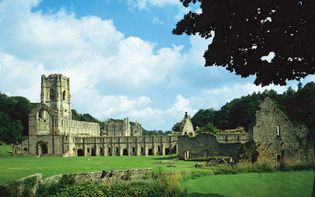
{"type": "Point", "coordinates": [277, 138]}
{"type": "Point", "coordinates": [207, 145]}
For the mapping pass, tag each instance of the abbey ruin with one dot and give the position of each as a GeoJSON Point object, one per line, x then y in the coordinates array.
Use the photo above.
{"type": "Point", "coordinates": [52, 131]}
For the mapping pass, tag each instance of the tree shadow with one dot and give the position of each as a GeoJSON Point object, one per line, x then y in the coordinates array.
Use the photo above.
{"type": "Point", "coordinates": [165, 158]}
{"type": "Point", "coordinates": [195, 194]}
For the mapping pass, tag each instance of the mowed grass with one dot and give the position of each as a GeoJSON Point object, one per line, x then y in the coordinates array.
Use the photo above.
{"type": "Point", "coordinates": [286, 184]}
{"type": "Point", "coordinates": [15, 167]}
{"type": "Point", "coordinates": [298, 183]}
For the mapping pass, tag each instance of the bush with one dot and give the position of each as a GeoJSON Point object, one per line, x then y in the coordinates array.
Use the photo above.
{"type": "Point", "coordinates": [118, 189]}
{"type": "Point", "coordinates": [52, 189]}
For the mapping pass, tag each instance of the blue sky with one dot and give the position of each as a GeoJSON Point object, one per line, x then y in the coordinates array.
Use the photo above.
{"type": "Point", "coordinates": [121, 57]}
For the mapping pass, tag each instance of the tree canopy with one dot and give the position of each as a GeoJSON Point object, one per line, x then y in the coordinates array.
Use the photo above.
{"type": "Point", "coordinates": [244, 32]}
{"type": "Point", "coordinates": [298, 104]}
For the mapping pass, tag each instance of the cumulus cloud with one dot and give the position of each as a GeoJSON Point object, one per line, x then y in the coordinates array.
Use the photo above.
{"type": "Point", "coordinates": [217, 97]}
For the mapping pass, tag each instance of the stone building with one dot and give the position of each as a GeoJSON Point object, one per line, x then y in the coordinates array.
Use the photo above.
{"type": "Point", "coordinates": [186, 126]}
{"type": "Point", "coordinates": [53, 132]}
{"type": "Point", "coordinates": [117, 127]}
{"type": "Point", "coordinates": [276, 138]}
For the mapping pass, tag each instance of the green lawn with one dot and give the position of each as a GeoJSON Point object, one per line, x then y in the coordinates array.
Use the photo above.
{"type": "Point", "coordinates": [245, 184]}
{"type": "Point", "coordinates": [14, 167]}
{"type": "Point", "coordinates": [275, 184]}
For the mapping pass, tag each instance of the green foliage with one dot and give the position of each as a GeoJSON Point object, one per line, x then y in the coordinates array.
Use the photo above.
{"type": "Point", "coordinates": [176, 126]}
{"type": "Point", "coordinates": [241, 35]}
{"type": "Point", "coordinates": [202, 117]}
{"type": "Point", "coordinates": [208, 128]}
{"type": "Point", "coordinates": [10, 131]}
{"type": "Point", "coordinates": [14, 118]}
{"type": "Point", "coordinates": [154, 132]}
{"type": "Point", "coordinates": [65, 182]}
{"type": "Point", "coordinates": [118, 189]}
{"type": "Point", "coordinates": [298, 105]}
{"type": "Point", "coordinates": [83, 117]}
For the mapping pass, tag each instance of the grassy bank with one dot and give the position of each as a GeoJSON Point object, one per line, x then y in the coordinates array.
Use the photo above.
{"type": "Point", "coordinates": [297, 183]}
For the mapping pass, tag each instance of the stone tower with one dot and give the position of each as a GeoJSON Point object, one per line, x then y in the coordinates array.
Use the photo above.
{"type": "Point", "coordinates": [186, 127]}
{"type": "Point", "coordinates": [55, 93]}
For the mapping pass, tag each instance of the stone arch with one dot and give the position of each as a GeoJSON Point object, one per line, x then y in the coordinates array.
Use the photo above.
{"type": "Point", "coordinates": [42, 148]}
{"type": "Point", "coordinates": [125, 152]}
{"type": "Point", "coordinates": [150, 151]}
{"type": "Point", "coordinates": [93, 151]}
{"type": "Point", "coordinates": [80, 152]}
{"type": "Point", "coordinates": [167, 151]}
{"type": "Point", "coordinates": [133, 150]}
{"type": "Point", "coordinates": [142, 150]}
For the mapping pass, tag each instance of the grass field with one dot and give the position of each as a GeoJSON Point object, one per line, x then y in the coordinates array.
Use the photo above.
{"type": "Point", "coordinates": [12, 168]}
{"type": "Point", "coordinates": [244, 184]}
{"type": "Point", "coordinates": [275, 184]}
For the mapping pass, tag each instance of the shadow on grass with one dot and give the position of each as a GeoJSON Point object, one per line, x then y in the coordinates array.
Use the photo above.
{"type": "Point", "coordinates": [195, 194]}
{"type": "Point", "coordinates": [165, 158]}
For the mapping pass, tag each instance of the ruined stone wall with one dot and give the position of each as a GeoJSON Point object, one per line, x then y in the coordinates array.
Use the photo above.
{"type": "Point", "coordinates": [275, 136]}
{"type": "Point", "coordinates": [117, 127]}
{"type": "Point", "coordinates": [78, 128]}
{"type": "Point", "coordinates": [205, 145]}
{"type": "Point", "coordinates": [136, 129]}
{"type": "Point", "coordinates": [44, 145]}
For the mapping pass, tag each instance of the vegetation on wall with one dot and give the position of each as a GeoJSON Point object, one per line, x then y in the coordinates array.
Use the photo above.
{"type": "Point", "coordinates": [83, 117]}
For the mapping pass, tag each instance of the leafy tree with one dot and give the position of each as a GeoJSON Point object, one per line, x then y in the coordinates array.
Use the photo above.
{"type": "Point", "coordinates": [202, 117]}
{"type": "Point", "coordinates": [208, 128]}
{"type": "Point", "coordinates": [10, 131]}
{"type": "Point", "coordinates": [176, 126]}
{"type": "Point", "coordinates": [245, 31]}
{"type": "Point", "coordinates": [15, 112]}
{"type": "Point", "coordinates": [83, 117]}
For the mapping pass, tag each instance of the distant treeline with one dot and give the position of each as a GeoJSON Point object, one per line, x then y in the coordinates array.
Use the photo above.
{"type": "Point", "coordinates": [14, 111]}
{"type": "Point", "coordinates": [299, 105]}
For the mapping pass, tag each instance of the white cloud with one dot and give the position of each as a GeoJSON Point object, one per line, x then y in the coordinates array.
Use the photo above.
{"type": "Point", "coordinates": [88, 45]}
{"type": "Point", "coordinates": [157, 21]}
{"type": "Point", "coordinates": [144, 4]}
{"type": "Point", "coordinates": [217, 97]}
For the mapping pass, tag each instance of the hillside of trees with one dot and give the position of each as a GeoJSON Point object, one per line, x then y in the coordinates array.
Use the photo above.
{"type": "Point", "coordinates": [14, 112]}
{"type": "Point", "coordinates": [299, 105]}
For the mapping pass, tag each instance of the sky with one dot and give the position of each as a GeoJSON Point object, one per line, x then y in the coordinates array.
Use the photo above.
{"type": "Point", "coordinates": [120, 55]}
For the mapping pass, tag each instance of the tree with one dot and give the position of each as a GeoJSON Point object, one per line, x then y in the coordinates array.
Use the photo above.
{"type": "Point", "coordinates": [246, 31]}
{"type": "Point", "coordinates": [10, 131]}
{"type": "Point", "coordinates": [202, 117]}
{"type": "Point", "coordinates": [208, 128]}
{"type": "Point", "coordinates": [176, 126]}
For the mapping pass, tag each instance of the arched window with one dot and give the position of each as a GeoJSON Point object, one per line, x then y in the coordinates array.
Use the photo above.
{"type": "Point", "coordinates": [52, 94]}
{"type": "Point", "coordinates": [64, 95]}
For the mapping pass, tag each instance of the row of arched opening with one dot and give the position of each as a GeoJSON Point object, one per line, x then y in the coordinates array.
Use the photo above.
{"type": "Point", "coordinates": [125, 152]}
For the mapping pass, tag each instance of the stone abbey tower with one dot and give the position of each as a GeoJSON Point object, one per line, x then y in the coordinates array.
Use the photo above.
{"type": "Point", "coordinates": [55, 93]}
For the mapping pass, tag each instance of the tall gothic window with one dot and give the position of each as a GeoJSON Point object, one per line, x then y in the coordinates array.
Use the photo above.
{"type": "Point", "coordinates": [64, 95]}
{"type": "Point", "coordinates": [278, 131]}
{"type": "Point", "coordinates": [52, 94]}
